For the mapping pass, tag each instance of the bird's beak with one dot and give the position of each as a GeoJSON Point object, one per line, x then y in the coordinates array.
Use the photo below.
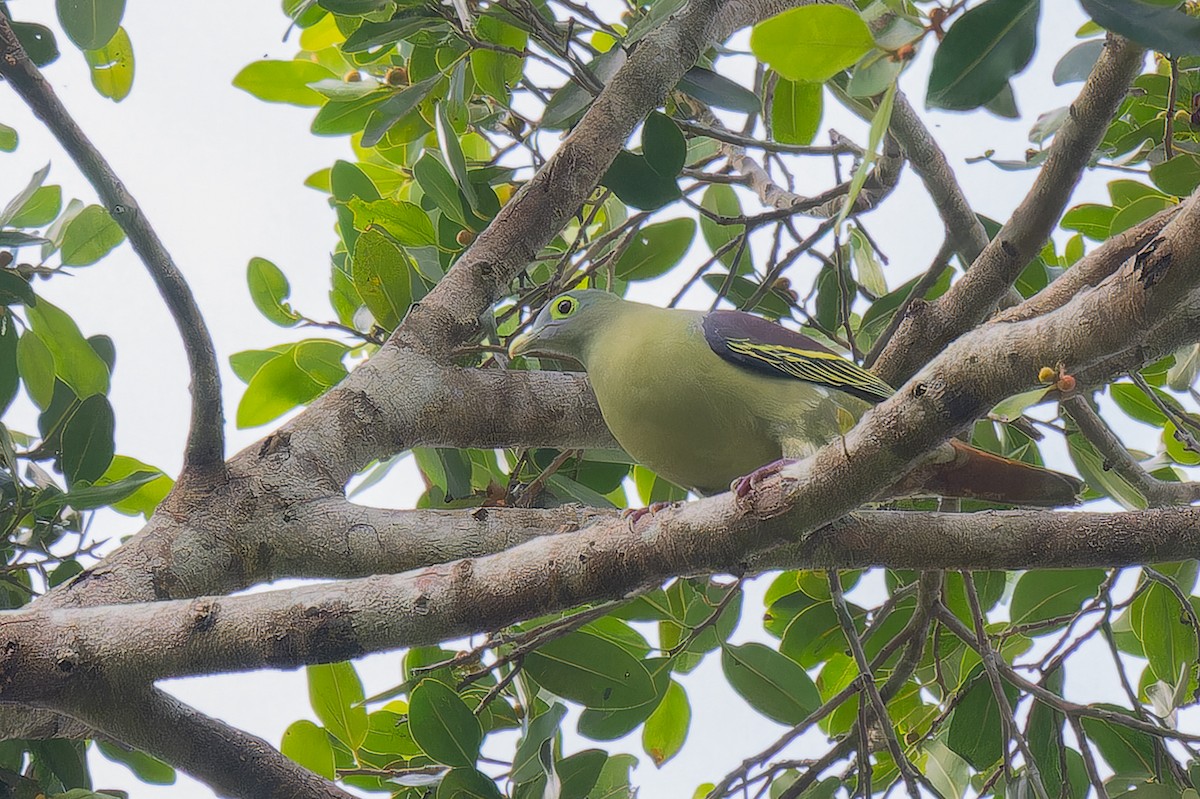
{"type": "Point", "coordinates": [522, 343]}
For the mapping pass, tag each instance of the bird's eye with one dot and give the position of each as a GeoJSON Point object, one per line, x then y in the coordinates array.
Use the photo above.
{"type": "Point", "coordinates": [565, 306]}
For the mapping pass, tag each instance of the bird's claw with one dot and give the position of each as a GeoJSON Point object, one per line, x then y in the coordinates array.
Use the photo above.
{"type": "Point", "coordinates": [635, 515]}
{"type": "Point", "coordinates": [744, 485]}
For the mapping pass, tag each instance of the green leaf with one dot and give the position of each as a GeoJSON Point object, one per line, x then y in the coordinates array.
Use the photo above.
{"type": "Point", "coordinates": [75, 362]}
{"type": "Point", "coordinates": [371, 35]}
{"type": "Point", "coordinates": [1124, 193]}
{"type": "Point", "coordinates": [336, 694]}
{"type": "Point", "coordinates": [985, 47]}
{"type": "Point", "coordinates": [1156, 27]}
{"type": "Point", "coordinates": [284, 81]}
{"type": "Point", "coordinates": [297, 375]}
{"type": "Point", "coordinates": [613, 782]}
{"type": "Point", "coordinates": [773, 684]}
{"type": "Point", "coordinates": [663, 146]}
{"type": "Point", "coordinates": [608, 725]}
{"type": "Point", "coordinates": [874, 74]}
{"type": "Point", "coordinates": [15, 238]}
{"type": "Point", "coordinates": [1134, 402]}
{"type": "Point", "coordinates": [87, 497]}
{"type": "Point", "coordinates": [467, 783]}
{"type": "Point", "coordinates": [1137, 211]}
{"type": "Point", "coordinates": [443, 725]}
{"type": "Point", "coordinates": [1077, 63]}
{"type": "Point", "coordinates": [8, 139]}
{"type": "Point", "coordinates": [869, 271]}
{"type": "Point", "coordinates": [712, 89]}
{"type": "Point", "coordinates": [1041, 595]}
{"type": "Point", "coordinates": [667, 727]}
{"type": "Point", "coordinates": [1179, 175]}
{"type": "Point", "coordinates": [403, 221]}
{"type": "Point", "coordinates": [1130, 753]}
{"type": "Point", "coordinates": [656, 249]}
{"type": "Point", "coordinates": [975, 730]}
{"type": "Point", "coordinates": [947, 772]}
{"type": "Point", "coordinates": [879, 125]}
{"type": "Point", "coordinates": [495, 72]}
{"type": "Point", "coordinates": [1091, 466]}
{"type": "Point", "coordinates": [1162, 627]}
{"type": "Point", "coordinates": [1090, 219]}
{"type": "Point", "coordinates": [40, 209]}
{"type": "Point", "coordinates": [452, 151]}
{"type": "Point", "coordinates": [15, 289]}
{"type": "Point", "coordinates": [437, 182]}
{"type": "Point", "coordinates": [796, 111]}
{"type": "Point", "coordinates": [38, 41]}
{"type": "Point", "coordinates": [10, 374]}
{"type": "Point", "coordinates": [539, 730]}
{"type": "Point", "coordinates": [269, 289]}
{"type": "Point", "coordinates": [592, 671]}
{"type": "Point", "coordinates": [353, 7]}
{"type": "Point", "coordinates": [90, 24]}
{"type": "Point", "coordinates": [383, 277]}
{"type": "Point", "coordinates": [395, 108]}
{"type": "Point", "coordinates": [722, 200]}
{"type": "Point", "coordinates": [309, 745]}
{"type": "Point", "coordinates": [340, 118]}
{"type": "Point", "coordinates": [23, 196]}
{"type": "Point", "coordinates": [66, 760]}
{"type": "Point", "coordinates": [569, 102]}
{"type": "Point", "coordinates": [146, 768]}
{"type": "Point", "coordinates": [89, 237]}
{"type": "Point", "coordinates": [1045, 733]}
{"type": "Point", "coordinates": [812, 43]}
{"type": "Point", "coordinates": [1182, 375]}
{"type": "Point", "coordinates": [87, 440]}
{"type": "Point", "coordinates": [633, 180]}
{"type": "Point", "coordinates": [1176, 449]}
{"type": "Point", "coordinates": [35, 362]}
{"type": "Point", "coordinates": [112, 67]}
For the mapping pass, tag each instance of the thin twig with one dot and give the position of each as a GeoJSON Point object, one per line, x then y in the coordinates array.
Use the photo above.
{"type": "Point", "coordinates": [205, 446]}
{"type": "Point", "coordinates": [883, 719]}
{"type": "Point", "coordinates": [205, 452]}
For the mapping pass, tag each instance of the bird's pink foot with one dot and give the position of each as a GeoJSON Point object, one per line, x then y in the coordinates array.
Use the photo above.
{"type": "Point", "coordinates": [744, 485]}
{"type": "Point", "coordinates": [635, 515]}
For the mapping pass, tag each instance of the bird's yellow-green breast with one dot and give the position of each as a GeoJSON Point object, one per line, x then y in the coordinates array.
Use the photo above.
{"type": "Point", "coordinates": [673, 403]}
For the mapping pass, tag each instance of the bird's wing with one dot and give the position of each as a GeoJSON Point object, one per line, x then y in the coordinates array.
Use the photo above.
{"type": "Point", "coordinates": [765, 347]}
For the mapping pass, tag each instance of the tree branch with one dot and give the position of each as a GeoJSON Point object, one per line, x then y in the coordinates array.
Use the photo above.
{"type": "Point", "coordinates": [1091, 268]}
{"type": "Point", "coordinates": [1116, 457]}
{"type": "Point", "coordinates": [929, 327]}
{"type": "Point", "coordinates": [63, 652]}
{"type": "Point", "coordinates": [206, 439]}
{"type": "Point", "coordinates": [231, 762]}
{"type": "Point", "coordinates": [964, 231]}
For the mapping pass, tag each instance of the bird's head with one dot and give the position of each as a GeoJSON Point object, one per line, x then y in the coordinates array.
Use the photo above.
{"type": "Point", "coordinates": [567, 325]}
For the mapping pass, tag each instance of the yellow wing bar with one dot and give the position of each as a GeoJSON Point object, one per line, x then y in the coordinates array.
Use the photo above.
{"type": "Point", "coordinates": [814, 366]}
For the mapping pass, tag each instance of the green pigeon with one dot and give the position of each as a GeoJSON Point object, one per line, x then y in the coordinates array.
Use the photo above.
{"type": "Point", "coordinates": [704, 399]}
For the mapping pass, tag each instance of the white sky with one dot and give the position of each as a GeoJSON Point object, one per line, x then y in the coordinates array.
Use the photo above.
{"type": "Point", "coordinates": [219, 174]}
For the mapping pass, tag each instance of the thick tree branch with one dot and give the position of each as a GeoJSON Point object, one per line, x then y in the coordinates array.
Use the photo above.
{"type": "Point", "coordinates": [212, 542]}
{"type": "Point", "coordinates": [64, 652]}
{"type": "Point", "coordinates": [1091, 268]}
{"type": "Point", "coordinates": [206, 438]}
{"type": "Point", "coordinates": [929, 327]}
{"type": "Point", "coordinates": [231, 762]}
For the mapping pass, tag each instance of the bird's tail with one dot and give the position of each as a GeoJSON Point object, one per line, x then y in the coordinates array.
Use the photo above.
{"type": "Point", "coordinates": [970, 473]}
